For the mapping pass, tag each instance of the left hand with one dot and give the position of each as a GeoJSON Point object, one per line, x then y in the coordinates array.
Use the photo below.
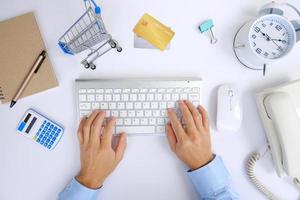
{"type": "Point", "coordinates": [98, 158]}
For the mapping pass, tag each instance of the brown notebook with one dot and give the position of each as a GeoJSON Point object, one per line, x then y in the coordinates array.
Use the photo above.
{"type": "Point", "coordinates": [20, 44]}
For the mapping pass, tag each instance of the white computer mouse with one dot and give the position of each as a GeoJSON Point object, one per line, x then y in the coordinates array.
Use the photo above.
{"type": "Point", "coordinates": [229, 111]}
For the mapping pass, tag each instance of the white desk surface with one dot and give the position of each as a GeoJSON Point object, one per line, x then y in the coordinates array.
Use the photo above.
{"type": "Point", "coordinates": [149, 169]}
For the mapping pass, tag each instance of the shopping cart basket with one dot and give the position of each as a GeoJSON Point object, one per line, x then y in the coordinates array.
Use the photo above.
{"type": "Point", "coordinates": [88, 32]}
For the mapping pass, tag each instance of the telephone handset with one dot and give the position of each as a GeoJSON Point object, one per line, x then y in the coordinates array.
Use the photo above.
{"type": "Point", "coordinates": [278, 111]}
{"type": "Point", "coordinates": [281, 110]}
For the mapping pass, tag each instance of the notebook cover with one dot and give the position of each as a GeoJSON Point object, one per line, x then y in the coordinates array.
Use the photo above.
{"type": "Point", "coordinates": [20, 44]}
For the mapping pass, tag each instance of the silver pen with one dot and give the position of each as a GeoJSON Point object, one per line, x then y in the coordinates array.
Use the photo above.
{"type": "Point", "coordinates": [35, 68]}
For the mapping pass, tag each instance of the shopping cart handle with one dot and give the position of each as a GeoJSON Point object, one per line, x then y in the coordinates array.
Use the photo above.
{"type": "Point", "coordinates": [97, 8]}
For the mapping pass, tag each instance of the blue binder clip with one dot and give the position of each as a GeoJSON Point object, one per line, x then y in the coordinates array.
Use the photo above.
{"type": "Point", "coordinates": [207, 26]}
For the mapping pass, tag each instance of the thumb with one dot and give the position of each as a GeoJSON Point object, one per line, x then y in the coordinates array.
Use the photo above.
{"type": "Point", "coordinates": [121, 146]}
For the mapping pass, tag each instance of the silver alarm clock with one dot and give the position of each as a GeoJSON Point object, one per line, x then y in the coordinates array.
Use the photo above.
{"type": "Point", "coordinates": [267, 38]}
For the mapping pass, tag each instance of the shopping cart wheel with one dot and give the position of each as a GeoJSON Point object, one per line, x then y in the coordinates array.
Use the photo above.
{"type": "Point", "coordinates": [93, 66]}
{"type": "Point", "coordinates": [119, 49]}
{"type": "Point", "coordinates": [113, 44]}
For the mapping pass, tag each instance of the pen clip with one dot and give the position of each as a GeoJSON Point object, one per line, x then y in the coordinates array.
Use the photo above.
{"type": "Point", "coordinates": [43, 54]}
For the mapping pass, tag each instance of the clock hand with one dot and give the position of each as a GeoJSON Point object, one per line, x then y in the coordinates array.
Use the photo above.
{"type": "Point", "coordinates": [283, 41]}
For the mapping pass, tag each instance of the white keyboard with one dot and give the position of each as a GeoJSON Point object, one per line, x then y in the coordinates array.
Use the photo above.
{"type": "Point", "coordinates": [140, 106]}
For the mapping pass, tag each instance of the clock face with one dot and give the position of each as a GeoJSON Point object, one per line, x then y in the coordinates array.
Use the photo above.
{"type": "Point", "coordinates": [271, 38]}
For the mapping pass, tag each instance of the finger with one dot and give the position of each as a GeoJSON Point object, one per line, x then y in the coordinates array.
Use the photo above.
{"type": "Point", "coordinates": [87, 126]}
{"type": "Point", "coordinates": [171, 137]}
{"type": "Point", "coordinates": [80, 130]}
{"type": "Point", "coordinates": [196, 115]}
{"type": "Point", "coordinates": [204, 115]}
{"type": "Point", "coordinates": [107, 133]}
{"type": "Point", "coordinates": [96, 128]}
{"type": "Point", "coordinates": [187, 117]}
{"type": "Point", "coordinates": [121, 147]}
{"type": "Point", "coordinates": [176, 125]}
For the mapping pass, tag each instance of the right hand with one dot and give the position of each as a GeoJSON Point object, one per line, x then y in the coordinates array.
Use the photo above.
{"type": "Point", "coordinates": [98, 158]}
{"type": "Point", "coordinates": [191, 143]}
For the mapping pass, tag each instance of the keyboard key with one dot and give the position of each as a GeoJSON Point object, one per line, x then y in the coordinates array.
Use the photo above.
{"type": "Point", "coordinates": [103, 106]}
{"type": "Point", "coordinates": [121, 105]}
{"type": "Point", "coordinates": [90, 97]}
{"type": "Point", "coordinates": [152, 90]}
{"type": "Point", "coordinates": [112, 106]}
{"type": "Point", "coordinates": [100, 91]}
{"type": "Point", "coordinates": [91, 90]}
{"type": "Point", "coordinates": [154, 105]}
{"type": "Point", "coordinates": [108, 97]}
{"type": "Point", "coordinates": [175, 97]}
{"type": "Point", "coordinates": [136, 121]}
{"type": "Point", "coordinates": [107, 113]}
{"type": "Point", "coordinates": [144, 121]}
{"type": "Point", "coordinates": [126, 91]}
{"type": "Point", "coordinates": [95, 105]}
{"type": "Point", "coordinates": [124, 97]}
{"type": "Point", "coordinates": [117, 90]}
{"type": "Point", "coordinates": [137, 105]}
{"type": "Point", "coordinates": [162, 105]}
{"type": "Point", "coordinates": [140, 113]}
{"type": "Point", "coordinates": [116, 97]}
{"type": "Point", "coordinates": [131, 113]}
{"type": "Point", "coordinates": [127, 121]}
{"type": "Point", "coordinates": [146, 105]}
{"type": "Point", "coordinates": [132, 97]}
{"type": "Point", "coordinates": [152, 121]}
{"type": "Point", "coordinates": [196, 90]}
{"type": "Point", "coordinates": [108, 91]}
{"type": "Point", "coordinates": [135, 90]}
{"type": "Point", "coordinates": [119, 121]}
{"type": "Point", "coordinates": [115, 113]}
{"type": "Point", "coordinates": [135, 129]}
{"type": "Point", "coordinates": [82, 97]}
{"type": "Point", "coordinates": [160, 121]}
{"type": "Point", "coordinates": [84, 106]}
{"type": "Point", "coordinates": [150, 97]}
{"type": "Point", "coordinates": [160, 129]}
{"type": "Point", "coordinates": [82, 91]}
{"type": "Point", "coordinates": [194, 97]}
{"type": "Point", "coordinates": [123, 113]}
{"type": "Point", "coordinates": [129, 105]}
{"type": "Point", "coordinates": [148, 113]}
{"type": "Point", "coordinates": [99, 97]}
{"type": "Point", "coordinates": [158, 97]}
{"type": "Point", "coordinates": [156, 113]}
{"type": "Point", "coordinates": [141, 97]}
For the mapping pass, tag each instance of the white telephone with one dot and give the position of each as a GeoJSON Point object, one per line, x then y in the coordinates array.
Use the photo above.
{"type": "Point", "coordinates": [279, 109]}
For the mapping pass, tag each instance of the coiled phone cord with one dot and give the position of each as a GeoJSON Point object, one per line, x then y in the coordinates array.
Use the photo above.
{"type": "Point", "coordinates": [250, 172]}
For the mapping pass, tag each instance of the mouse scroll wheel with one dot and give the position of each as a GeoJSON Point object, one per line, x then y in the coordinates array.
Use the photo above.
{"type": "Point", "coordinates": [230, 92]}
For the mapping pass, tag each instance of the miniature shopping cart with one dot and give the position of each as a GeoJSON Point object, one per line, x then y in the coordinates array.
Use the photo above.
{"type": "Point", "coordinates": [88, 32]}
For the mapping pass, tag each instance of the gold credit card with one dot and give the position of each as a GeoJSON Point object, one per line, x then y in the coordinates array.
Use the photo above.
{"type": "Point", "coordinates": [154, 32]}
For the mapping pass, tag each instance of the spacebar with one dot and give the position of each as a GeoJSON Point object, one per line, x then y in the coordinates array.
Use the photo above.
{"type": "Point", "coordinates": [135, 129]}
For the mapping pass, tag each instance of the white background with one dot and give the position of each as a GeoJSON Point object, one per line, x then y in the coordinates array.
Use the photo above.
{"type": "Point", "coordinates": [149, 169]}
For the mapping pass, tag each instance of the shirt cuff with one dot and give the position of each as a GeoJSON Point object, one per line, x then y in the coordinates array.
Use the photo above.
{"type": "Point", "coordinates": [212, 178]}
{"type": "Point", "coordinates": [77, 191]}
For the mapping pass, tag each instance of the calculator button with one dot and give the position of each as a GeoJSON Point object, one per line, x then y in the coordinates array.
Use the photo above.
{"type": "Point", "coordinates": [56, 135]}
{"type": "Point", "coordinates": [55, 128]}
{"type": "Point", "coordinates": [51, 142]}
{"type": "Point", "coordinates": [50, 136]}
{"type": "Point", "coordinates": [44, 138]}
{"type": "Point", "coordinates": [48, 123]}
{"type": "Point", "coordinates": [44, 131]}
{"type": "Point", "coordinates": [49, 146]}
{"type": "Point", "coordinates": [51, 126]}
{"type": "Point", "coordinates": [54, 138]}
{"type": "Point", "coordinates": [45, 144]}
{"type": "Point", "coordinates": [48, 140]}
{"type": "Point", "coordinates": [42, 142]}
{"type": "Point", "coordinates": [59, 130]}
{"type": "Point", "coordinates": [38, 140]}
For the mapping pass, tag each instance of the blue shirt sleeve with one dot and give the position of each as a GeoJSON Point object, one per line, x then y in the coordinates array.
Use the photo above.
{"type": "Point", "coordinates": [76, 191]}
{"type": "Point", "coordinates": [212, 181]}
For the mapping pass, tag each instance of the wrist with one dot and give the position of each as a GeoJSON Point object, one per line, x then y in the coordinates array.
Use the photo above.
{"type": "Point", "coordinates": [202, 163]}
{"type": "Point", "coordinates": [89, 181]}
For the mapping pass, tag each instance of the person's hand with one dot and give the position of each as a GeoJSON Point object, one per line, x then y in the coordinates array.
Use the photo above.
{"type": "Point", "coordinates": [191, 142]}
{"type": "Point", "coordinates": [98, 158]}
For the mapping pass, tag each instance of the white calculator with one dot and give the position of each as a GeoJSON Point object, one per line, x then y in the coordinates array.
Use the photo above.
{"type": "Point", "coordinates": [40, 129]}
